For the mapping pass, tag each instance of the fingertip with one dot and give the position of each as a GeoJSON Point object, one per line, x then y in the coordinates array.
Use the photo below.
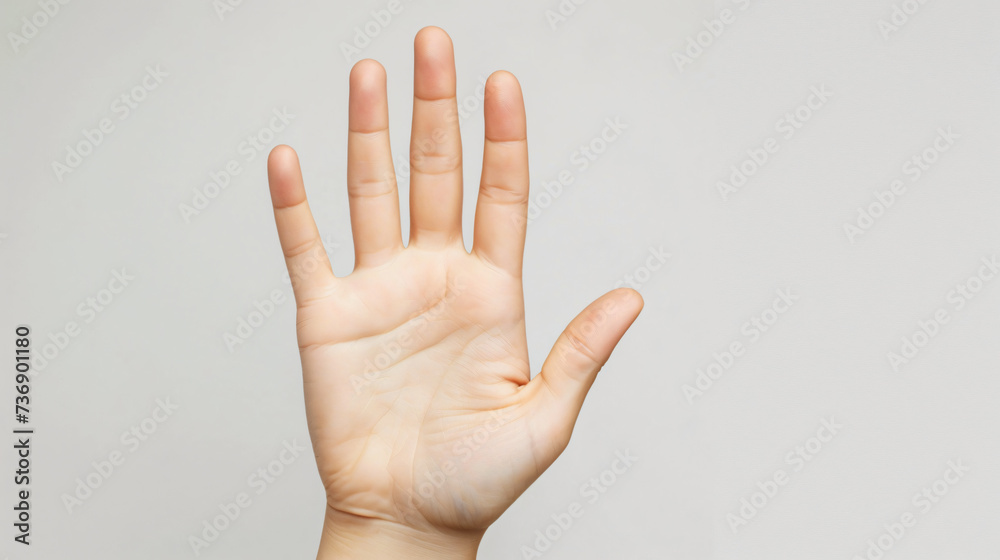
{"type": "Point", "coordinates": [632, 298]}
{"type": "Point", "coordinates": [367, 75]}
{"type": "Point", "coordinates": [501, 81]}
{"type": "Point", "coordinates": [432, 44]}
{"type": "Point", "coordinates": [284, 177]}
{"type": "Point", "coordinates": [615, 312]}
{"type": "Point", "coordinates": [433, 64]}
{"type": "Point", "coordinates": [368, 109]}
{"type": "Point", "coordinates": [281, 157]}
{"type": "Point", "coordinates": [626, 304]}
{"type": "Point", "coordinates": [430, 35]}
{"type": "Point", "coordinates": [504, 108]}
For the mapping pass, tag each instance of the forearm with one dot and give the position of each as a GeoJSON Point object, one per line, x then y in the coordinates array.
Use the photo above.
{"type": "Point", "coordinates": [346, 537]}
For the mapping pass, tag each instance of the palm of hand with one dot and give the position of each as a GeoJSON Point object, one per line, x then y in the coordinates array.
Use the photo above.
{"type": "Point", "coordinates": [419, 413]}
{"type": "Point", "coordinates": [420, 402]}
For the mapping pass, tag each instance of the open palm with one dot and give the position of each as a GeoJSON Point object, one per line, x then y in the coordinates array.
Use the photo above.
{"type": "Point", "coordinates": [421, 406]}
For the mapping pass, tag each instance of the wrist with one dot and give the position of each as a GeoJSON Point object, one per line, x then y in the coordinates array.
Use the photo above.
{"type": "Point", "coordinates": [349, 537]}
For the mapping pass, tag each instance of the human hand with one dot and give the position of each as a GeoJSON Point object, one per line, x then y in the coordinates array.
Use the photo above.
{"type": "Point", "coordinates": [425, 421]}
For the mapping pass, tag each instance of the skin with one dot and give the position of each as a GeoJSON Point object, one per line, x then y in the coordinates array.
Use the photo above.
{"type": "Point", "coordinates": [424, 417]}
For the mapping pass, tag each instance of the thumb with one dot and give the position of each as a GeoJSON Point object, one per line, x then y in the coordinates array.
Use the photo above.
{"type": "Point", "coordinates": [579, 353]}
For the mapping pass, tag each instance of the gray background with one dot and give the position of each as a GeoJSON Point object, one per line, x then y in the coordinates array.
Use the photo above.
{"type": "Point", "coordinates": [654, 187]}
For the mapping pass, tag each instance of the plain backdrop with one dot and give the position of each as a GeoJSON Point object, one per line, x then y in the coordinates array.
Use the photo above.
{"type": "Point", "coordinates": [693, 100]}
